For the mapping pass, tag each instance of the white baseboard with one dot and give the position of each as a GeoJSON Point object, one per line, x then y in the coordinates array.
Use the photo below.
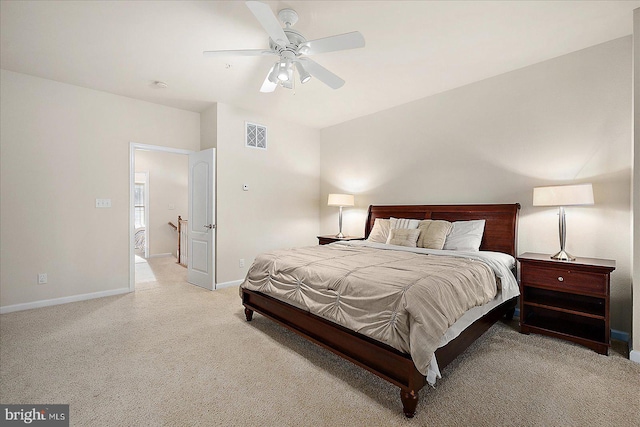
{"type": "Point", "coordinates": [83, 297]}
{"type": "Point", "coordinates": [62, 300]}
{"type": "Point", "coordinates": [634, 356]}
{"type": "Point", "coordinates": [229, 284]}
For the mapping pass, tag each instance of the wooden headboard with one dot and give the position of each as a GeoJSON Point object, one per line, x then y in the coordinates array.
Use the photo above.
{"type": "Point", "coordinates": [500, 231]}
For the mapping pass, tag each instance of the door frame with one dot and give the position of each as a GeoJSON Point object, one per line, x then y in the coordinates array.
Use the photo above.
{"type": "Point", "coordinates": [133, 146]}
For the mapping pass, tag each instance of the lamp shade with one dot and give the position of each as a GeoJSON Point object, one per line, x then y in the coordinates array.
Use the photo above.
{"type": "Point", "coordinates": [340, 200]}
{"type": "Point", "coordinates": [563, 195]}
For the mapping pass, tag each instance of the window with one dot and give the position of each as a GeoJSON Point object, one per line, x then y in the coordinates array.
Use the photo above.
{"type": "Point", "coordinates": [138, 204]}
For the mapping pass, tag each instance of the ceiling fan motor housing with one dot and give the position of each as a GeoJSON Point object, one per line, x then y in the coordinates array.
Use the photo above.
{"type": "Point", "coordinates": [295, 40]}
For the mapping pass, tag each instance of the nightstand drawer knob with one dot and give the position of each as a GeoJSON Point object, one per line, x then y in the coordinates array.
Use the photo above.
{"type": "Point", "coordinates": [560, 279]}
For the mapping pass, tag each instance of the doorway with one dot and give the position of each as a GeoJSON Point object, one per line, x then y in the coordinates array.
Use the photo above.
{"type": "Point", "coordinates": [159, 194]}
{"type": "Point", "coordinates": [200, 205]}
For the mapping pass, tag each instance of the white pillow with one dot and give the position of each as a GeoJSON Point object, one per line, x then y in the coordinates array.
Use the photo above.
{"type": "Point", "coordinates": [465, 236]}
{"type": "Point", "coordinates": [404, 223]}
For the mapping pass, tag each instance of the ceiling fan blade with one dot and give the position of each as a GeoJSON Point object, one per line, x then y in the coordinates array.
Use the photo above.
{"type": "Point", "coordinates": [268, 85]}
{"type": "Point", "coordinates": [351, 40]}
{"type": "Point", "coordinates": [321, 73]}
{"type": "Point", "coordinates": [243, 52]}
{"type": "Point", "coordinates": [269, 22]}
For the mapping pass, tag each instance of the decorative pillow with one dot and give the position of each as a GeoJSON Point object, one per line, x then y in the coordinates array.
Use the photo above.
{"type": "Point", "coordinates": [404, 222]}
{"type": "Point", "coordinates": [380, 231]}
{"type": "Point", "coordinates": [465, 236]}
{"type": "Point", "coordinates": [433, 233]}
{"type": "Point", "coordinates": [403, 237]}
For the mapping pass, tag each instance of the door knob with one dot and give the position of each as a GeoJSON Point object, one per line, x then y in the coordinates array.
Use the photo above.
{"type": "Point", "coordinates": [210, 226]}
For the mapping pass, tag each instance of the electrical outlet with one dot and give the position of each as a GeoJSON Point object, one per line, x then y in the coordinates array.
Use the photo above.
{"type": "Point", "coordinates": [42, 278]}
{"type": "Point", "coordinates": [241, 263]}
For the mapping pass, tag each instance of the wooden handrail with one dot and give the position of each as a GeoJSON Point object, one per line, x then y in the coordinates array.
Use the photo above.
{"type": "Point", "coordinates": [172, 225]}
{"type": "Point", "coordinates": [181, 260]}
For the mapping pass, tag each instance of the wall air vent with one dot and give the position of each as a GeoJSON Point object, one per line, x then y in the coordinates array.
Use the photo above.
{"type": "Point", "coordinates": [255, 136]}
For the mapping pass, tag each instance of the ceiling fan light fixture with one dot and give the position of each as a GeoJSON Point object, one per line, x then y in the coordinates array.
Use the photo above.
{"type": "Point", "coordinates": [273, 74]}
{"type": "Point", "coordinates": [283, 70]}
{"type": "Point", "coordinates": [304, 75]}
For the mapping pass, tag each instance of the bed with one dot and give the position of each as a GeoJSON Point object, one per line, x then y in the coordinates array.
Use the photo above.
{"type": "Point", "coordinates": [395, 363]}
{"type": "Point", "coordinates": [140, 234]}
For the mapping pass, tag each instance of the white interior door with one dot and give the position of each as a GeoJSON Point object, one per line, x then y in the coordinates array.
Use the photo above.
{"type": "Point", "coordinates": [202, 229]}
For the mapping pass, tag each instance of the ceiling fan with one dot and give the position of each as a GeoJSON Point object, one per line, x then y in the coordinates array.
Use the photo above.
{"type": "Point", "coordinates": [293, 49]}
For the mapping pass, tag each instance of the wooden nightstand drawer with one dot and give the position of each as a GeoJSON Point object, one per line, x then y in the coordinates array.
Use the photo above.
{"type": "Point", "coordinates": [565, 279]}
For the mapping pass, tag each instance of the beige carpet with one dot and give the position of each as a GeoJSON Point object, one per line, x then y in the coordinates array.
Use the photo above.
{"type": "Point", "coordinates": [157, 271]}
{"type": "Point", "coordinates": [177, 355]}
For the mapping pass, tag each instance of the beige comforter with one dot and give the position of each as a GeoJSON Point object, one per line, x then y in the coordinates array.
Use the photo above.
{"type": "Point", "coordinates": [403, 299]}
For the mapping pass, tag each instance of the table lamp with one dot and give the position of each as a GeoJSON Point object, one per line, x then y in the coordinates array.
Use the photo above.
{"type": "Point", "coordinates": [561, 196]}
{"type": "Point", "coordinates": [340, 200]}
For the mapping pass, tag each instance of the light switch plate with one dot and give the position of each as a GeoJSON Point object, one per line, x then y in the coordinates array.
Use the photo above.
{"type": "Point", "coordinates": [103, 203]}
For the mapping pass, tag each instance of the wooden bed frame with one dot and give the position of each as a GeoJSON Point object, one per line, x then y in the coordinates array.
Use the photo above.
{"type": "Point", "coordinates": [500, 235]}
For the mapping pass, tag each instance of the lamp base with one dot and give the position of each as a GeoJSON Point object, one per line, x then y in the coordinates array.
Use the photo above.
{"type": "Point", "coordinates": [563, 256]}
{"type": "Point", "coordinates": [340, 235]}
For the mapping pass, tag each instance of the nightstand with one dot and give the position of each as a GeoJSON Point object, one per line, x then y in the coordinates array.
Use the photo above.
{"type": "Point", "coordinates": [325, 240]}
{"type": "Point", "coordinates": [566, 299]}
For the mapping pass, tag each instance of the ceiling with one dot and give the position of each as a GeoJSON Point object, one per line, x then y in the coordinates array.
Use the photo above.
{"type": "Point", "coordinates": [413, 48]}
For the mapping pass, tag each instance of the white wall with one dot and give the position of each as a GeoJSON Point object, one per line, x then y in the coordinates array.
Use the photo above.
{"type": "Point", "coordinates": [561, 121]}
{"type": "Point", "coordinates": [280, 209]}
{"type": "Point", "coordinates": [209, 127]}
{"type": "Point", "coordinates": [63, 146]}
{"type": "Point", "coordinates": [168, 197]}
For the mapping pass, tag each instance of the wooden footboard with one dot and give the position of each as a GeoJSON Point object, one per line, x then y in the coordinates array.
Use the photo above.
{"type": "Point", "coordinates": [374, 356]}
